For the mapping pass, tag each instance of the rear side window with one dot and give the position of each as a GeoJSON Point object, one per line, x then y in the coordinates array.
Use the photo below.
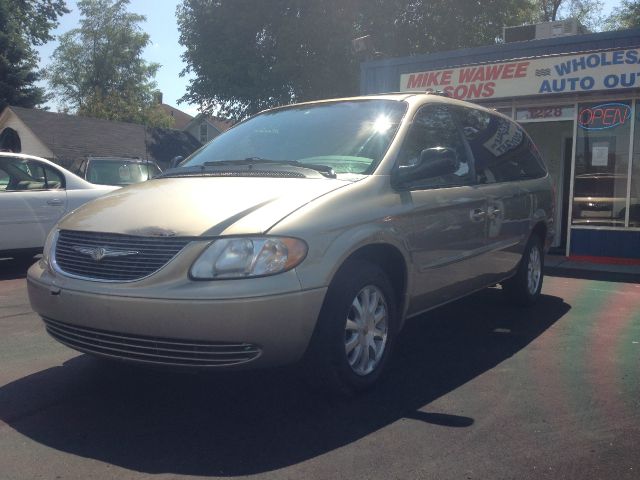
{"type": "Point", "coordinates": [502, 150]}
{"type": "Point", "coordinates": [52, 179]}
{"type": "Point", "coordinates": [4, 179]}
{"type": "Point", "coordinates": [25, 174]}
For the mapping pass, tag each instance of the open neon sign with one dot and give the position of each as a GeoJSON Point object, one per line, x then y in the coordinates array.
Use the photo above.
{"type": "Point", "coordinates": [601, 117]}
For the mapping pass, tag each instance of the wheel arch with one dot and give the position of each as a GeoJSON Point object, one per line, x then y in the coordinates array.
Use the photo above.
{"type": "Point", "coordinates": [540, 229]}
{"type": "Point", "coordinates": [391, 260]}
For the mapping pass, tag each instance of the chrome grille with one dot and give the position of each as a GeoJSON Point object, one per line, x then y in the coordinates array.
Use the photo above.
{"type": "Point", "coordinates": [144, 349]}
{"type": "Point", "coordinates": [139, 256]}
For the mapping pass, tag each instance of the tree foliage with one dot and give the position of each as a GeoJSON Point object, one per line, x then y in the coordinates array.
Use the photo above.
{"type": "Point", "coordinates": [588, 12]}
{"type": "Point", "coordinates": [98, 70]}
{"type": "Point", "coordinates": [627, 15]}
{"type": "Point", "coordinates": [405, 27]}
{"type": "Point", "coordinates": [24, 24]}
{"type": "Point", "coordinates": [247, 55]}
{"type": "Point", "coordinates": [548, 9]}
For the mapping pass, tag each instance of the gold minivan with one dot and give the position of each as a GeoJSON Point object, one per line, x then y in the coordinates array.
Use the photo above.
{"type": "Point", "coordinates": [307, 232]}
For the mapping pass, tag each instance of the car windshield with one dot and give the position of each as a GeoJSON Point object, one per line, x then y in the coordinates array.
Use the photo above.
{"type": "Point", "coordinates": [350, 137]}
{"type": "Point", "coordinates": [119, 172]}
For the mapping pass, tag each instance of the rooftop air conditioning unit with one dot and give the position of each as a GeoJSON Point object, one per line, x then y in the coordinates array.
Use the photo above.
{"type": "Point", "coordinates": [560, 28]}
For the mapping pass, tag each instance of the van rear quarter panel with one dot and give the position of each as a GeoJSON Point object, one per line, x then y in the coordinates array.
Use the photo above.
{"type": "Point", "coordinates": [526, 205]}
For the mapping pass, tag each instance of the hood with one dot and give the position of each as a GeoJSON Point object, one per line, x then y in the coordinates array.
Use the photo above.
{"type": "Point", "coordinates": [198, 206]}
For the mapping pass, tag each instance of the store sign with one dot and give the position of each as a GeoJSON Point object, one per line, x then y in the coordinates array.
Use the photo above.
{"type": "Point", "coordinates": [608, 70]}
{"type": "Point", "coordinates": [601, 117]}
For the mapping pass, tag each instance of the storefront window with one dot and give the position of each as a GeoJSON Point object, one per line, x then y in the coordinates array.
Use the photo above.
{"type": "Point", "coordinates": [634, 209]}
{"type": "Point", "coordinates": [601, 168]}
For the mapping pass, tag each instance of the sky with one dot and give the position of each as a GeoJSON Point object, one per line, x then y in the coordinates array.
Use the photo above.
{"type": "Point", "coordinates": [164, 49]}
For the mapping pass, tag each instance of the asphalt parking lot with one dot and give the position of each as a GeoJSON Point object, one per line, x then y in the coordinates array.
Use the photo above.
{"type": "Point", "coordinates": [477, 390]}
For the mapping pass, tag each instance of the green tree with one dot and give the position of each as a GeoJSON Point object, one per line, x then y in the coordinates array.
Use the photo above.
{"type": "Point", "coordinates": [627, 15]}
{"type": "Point", "coordinates": [24, 24]}
{"type": "Point", "coordinates": [588, 12]}
{"type": "Point", "coordinates": [406, 27]}
{"type": "Point", "coordinates": [247, 55]}
{"type": "Point", "coordinates": [98, 70]}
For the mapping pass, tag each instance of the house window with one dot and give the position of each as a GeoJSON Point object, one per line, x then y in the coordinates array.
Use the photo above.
{"type": "Point", "coordinates": [204, 133]}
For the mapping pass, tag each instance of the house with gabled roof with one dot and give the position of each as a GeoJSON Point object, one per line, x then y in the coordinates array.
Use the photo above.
{"type": "Point", "coordinates": [203, 127]}
{"type": "Point", "coordinates": [65, 138]}
{"type": "Point", "coordinates": [180, 119]}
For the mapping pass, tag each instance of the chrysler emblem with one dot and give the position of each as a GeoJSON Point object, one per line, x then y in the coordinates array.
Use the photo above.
{"type": "Point", "coordinates": [98, 253]}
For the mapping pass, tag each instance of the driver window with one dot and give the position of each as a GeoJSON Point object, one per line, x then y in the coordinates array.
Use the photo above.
{"type": "Point", "coordinates": [434, 127]}
{"type": "Point", "coordinates": [54, 179]}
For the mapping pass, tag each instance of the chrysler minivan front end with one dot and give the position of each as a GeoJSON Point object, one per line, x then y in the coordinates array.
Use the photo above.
{"type": "Point", "coordinates": [185, 270]}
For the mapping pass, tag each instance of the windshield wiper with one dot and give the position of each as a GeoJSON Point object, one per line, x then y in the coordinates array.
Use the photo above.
{"type": "Point", "coordinates": [323, 169]}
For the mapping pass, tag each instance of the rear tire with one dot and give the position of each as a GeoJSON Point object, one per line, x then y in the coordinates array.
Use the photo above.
{"type": "Point", "coordinates": [356, 330]}
{"type": "Point", "coordinates": [524, 287]}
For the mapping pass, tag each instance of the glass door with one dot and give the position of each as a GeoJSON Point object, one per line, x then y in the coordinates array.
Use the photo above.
{"type": "Point", "coordinates": [554, 140]}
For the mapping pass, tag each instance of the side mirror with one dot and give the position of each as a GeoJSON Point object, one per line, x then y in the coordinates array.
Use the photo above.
{"type": "Point", "coordinates": [433, 162]}
{"type": "Point", "coordinates": [175, 161]}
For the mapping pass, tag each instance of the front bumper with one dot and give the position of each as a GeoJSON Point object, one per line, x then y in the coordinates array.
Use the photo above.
{"type": "Point", "coordinates": [257, 331]}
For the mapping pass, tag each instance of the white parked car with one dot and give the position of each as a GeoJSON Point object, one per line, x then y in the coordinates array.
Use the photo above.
{"type": "Point", "coordinates": [34, 194]}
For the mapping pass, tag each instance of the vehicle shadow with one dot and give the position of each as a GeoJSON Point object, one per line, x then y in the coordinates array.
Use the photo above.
{"type": "Point", "coordinates": [241, 424]}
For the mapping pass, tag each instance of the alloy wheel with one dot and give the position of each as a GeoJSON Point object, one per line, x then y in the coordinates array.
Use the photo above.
{"type": "Point", "coordinates": [366, 330]}
{"type": "Point", "coordinates": [534, 270]}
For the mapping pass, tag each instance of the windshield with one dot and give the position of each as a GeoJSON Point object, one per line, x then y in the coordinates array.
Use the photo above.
{"type": "Point", "coordinates": [348, 136]}
{"type": "Point", "coordinates": [120, 172]}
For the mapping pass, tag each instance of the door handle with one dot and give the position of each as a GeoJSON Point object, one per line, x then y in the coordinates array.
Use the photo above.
{"type": "Point", "coordinates": [477, 214]}
{"type": "Point", "coordinates": [54, 202]}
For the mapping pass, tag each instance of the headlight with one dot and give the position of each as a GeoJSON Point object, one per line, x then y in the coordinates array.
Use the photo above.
{"type": "Point", "coordinates": [242, 257]}
{"type": "Point", "coordinates": [49, 245]}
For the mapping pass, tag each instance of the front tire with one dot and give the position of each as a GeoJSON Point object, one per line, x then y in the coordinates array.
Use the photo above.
{"type": "Point", "coordinates": [356, 329]}
{"type": "Point", "coordinates": [525, 286]}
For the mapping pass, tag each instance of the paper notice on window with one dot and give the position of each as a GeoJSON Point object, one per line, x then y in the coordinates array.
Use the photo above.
{"type": "Point", "coordinates": [600, 155]}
